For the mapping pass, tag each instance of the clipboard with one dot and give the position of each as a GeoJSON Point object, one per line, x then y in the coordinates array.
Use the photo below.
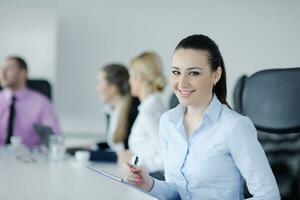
{"type": "Point", "coordinates": [117, 179]}
{"type": "Point", "coordinates": [107, 175]}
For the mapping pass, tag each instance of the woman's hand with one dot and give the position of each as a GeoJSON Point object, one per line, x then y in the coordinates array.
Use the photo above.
{"type": "Point", "coordinates": [124, 157]}
{"type": "Point", "coordinates": [138, 176]}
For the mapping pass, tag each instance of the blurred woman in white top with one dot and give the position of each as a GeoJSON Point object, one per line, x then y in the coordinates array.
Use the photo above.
{"type": "Point", "coordinates": [120, 108]}
{"type": "Point", "coordinates": [147, 82]}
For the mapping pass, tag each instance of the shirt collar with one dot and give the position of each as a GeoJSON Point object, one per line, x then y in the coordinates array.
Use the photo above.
{"type": "Point", "coordinates": [18, 94]}
{"type": "Point", "coordinates": [214, 108]}
{"type": "Point", "coordinates": [212, 111]}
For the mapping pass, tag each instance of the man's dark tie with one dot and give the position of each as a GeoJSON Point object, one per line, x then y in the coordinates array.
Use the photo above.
{"type": "Point", "coordinates": [10, 126]}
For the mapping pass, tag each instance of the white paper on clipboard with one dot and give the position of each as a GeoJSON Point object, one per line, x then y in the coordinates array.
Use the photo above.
{"type": "Point", "coordinates": [115, 178]}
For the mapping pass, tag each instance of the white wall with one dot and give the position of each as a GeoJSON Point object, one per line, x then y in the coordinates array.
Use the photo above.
{"type": "Point", "coordinates": [252, 35]}
{"type": "Point", "coordinates": [31, 34]}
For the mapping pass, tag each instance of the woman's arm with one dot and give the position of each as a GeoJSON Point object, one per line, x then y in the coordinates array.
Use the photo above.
{"type": "Point", "coordinates": [140, 177]}
{"type": "Point", "coordinates": [252, 162]}
{"type": "Point", "coordinates": [164, 190]}
{"type": "Point", "coordinates": [145, 141]}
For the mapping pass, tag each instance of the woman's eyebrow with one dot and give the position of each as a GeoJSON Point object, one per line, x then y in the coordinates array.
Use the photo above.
{"type": "Point", "coordinates": [189, 69]}
{"type": "Point", "coordinates": [193, 68]}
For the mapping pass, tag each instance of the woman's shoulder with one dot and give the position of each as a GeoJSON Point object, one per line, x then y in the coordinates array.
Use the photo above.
{"type": "Point", "coordinates": [153, 106]}
{"type": "Point", "coordinates": [234, 120]}
{"type": "Point", "coordinates": [230, 115]}
{"type": "Point", "coordinates": [172, 116]}
{"type": "Point", "coordinates": [231, 118]}
{"type": "Point", "coordinates": [165, 116]}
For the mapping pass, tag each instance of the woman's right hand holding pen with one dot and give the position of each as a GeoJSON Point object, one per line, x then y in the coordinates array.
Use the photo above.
{"type": "Point", "coordinates": [139, 177]}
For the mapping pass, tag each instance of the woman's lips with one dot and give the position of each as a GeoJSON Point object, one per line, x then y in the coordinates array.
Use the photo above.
{"type": "Point", "coordinates": [185, 93]}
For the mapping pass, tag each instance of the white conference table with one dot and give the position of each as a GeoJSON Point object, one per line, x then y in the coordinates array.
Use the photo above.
{"type": "Point", "coordinates": [66, 180]}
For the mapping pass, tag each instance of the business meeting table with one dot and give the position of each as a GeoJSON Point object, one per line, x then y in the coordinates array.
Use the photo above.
{"type": "Point", "coordinates": [30, 175]}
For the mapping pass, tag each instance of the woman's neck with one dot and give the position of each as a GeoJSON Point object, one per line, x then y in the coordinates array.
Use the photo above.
{"type": "Point", "coordinates": [115, 101]}
{"type": "Point", "coordinates": [197, 111]}
{"type": "Point", "coordinates": [146, 91]}
{"type": "Point", "coordinates": [194, 116]}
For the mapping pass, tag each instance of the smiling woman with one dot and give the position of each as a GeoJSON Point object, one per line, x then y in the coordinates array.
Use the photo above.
{"type": "Point", "coordinates": [208, 148]}
{"type": "Point", "coordinates": [201, 56]}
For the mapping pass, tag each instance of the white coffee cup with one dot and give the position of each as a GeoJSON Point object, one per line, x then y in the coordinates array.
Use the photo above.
{"type": "Point", "coordinates": [56, 148]}
{"type": "Point", "coordinates": [16, 141]}
{"type": "Point", "coordinates": [82, 157]}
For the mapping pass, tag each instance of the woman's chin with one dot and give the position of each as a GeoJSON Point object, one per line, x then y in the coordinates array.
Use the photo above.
{"type": "Point", "coordinates": [185, 101]}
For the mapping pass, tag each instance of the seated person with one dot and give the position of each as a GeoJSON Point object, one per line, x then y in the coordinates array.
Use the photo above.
{"type": "Point", "coordinates": [21, 107]}
{"type": "Point", "coordinates": [121, 111]}
{"type": "Point", "coordinates": [209, 149]}
{"type": "Point", "coordinates": [146, 82]}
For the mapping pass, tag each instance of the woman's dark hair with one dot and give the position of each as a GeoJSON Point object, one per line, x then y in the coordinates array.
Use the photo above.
{"type": "Point", "coordinates": [204, 43]}
{"type": "Point", "coordinates": [118, 75]}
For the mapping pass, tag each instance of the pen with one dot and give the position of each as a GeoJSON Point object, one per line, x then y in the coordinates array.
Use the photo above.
{"type": "Point", "coordinates": [136, 160]}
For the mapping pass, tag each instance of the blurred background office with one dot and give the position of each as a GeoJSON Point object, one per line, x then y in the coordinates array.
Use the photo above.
{"type": "Point", "coordinates": [67, 41]}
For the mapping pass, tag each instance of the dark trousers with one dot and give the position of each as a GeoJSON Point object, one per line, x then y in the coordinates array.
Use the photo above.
{"type": "Point", "coordinates": [103, 156]}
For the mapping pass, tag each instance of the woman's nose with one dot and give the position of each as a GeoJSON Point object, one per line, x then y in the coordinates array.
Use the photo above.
{"type": "Point", "coordinates": [183, 81]}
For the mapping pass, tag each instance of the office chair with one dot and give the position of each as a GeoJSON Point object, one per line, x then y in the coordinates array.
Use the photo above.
{"type": "Point", "coordinates": [237, 93]}
{"type": "Point", "coordinates": [42, 86]}
{"type": "Point", "coordinates": [173, 101]}
{"type": "Point", "coordinates": [270, 98]}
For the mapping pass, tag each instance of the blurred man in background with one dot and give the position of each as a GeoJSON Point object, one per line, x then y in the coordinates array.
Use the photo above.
{"type": "Point", "coordinates": [21, 107]}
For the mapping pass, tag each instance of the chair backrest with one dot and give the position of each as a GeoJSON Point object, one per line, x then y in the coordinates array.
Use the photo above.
{"type": "Point", "coordinates": [42, 86]}
{"type": "Point", "coordinates": [173, 101]}
{"type": "Point", "coordinates": [237, 94]}
{"type": "Point", "coordinates": [271, 99]}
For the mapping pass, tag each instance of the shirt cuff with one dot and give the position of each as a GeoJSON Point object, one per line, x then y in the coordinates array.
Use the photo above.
{"type": "Point", "coordinates": [157, 187]}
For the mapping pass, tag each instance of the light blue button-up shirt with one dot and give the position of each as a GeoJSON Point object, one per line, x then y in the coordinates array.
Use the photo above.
{"type": "Point", "coordinates": [212, 163]}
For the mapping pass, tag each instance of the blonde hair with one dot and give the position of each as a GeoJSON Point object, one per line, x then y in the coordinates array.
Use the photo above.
{"type": "Point", "coordinates": [120, 133]}
{"type": "Point", "coordinates": [149, 65]}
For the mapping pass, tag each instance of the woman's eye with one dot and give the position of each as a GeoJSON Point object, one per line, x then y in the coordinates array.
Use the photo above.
{"type": "Point", "coordinates": [175, 72]}
{"type": "Point", "coordinates": [194, 73]}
